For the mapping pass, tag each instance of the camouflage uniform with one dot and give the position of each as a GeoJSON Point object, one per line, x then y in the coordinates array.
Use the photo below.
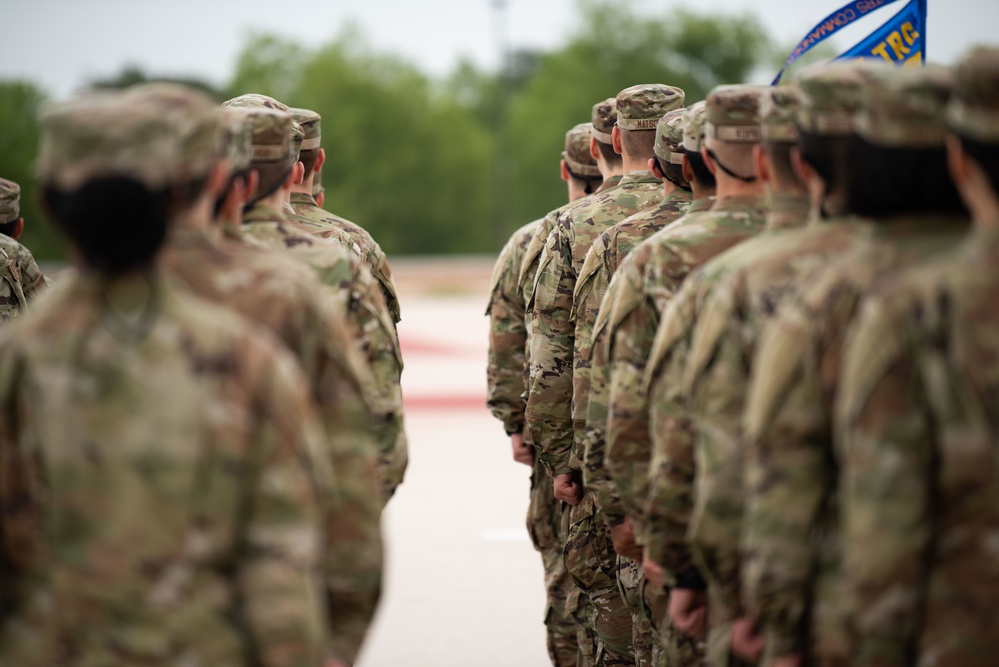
{"type": "Point", "coordinates": [325, 224]}
{"type": "Point", "coordinates": [20, 278]}
{"type": "Point", "coordinates": [165, 484]}
{"type": "Point", "coordinates": [549, 415]}
{"type": "Point", "coordinates": [791, 535]}
{"type": "Point", "coordinates": [915, 431]}
{"type": "Point", "coordinates": [351, 283]}
{"type": "Point", "coordinates": [601, 262]}
{"type": "Point", "coordinates": [707, 337]}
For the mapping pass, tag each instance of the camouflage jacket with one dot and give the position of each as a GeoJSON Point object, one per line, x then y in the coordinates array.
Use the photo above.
{"type": "Point", "coordinates": [916, 432]}
{"type": "Point", "coordinates": [595, 476]}
{"type": "Point", "coordinates": [360, 297]}
{"type": "Point", "coordinates": [325, 224]}
{"type": "Point", "coordinates": [601, 262]}
{"type": "Point", "coordinates": [20, 278]}
{"type": "Point", "coordinates": [668, 258]}
{"type": "Point", "coordinates": [507, 314]}
{"type": "Point", "coordinates": [165, 485]}
{"type": "Point", "coordinates": [549, 403]}
{"type": "Point", "coordinates": [790, 557]}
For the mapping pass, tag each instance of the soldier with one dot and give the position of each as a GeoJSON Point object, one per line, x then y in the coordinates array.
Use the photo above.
{"type": "Point", "coordinates": [716, 315]}
{"type": "Point", "coordinates": [265, 223]}
{"type": "Point", "coordinates": [326, 225]}
{"type": "Point", "coordinates": [916, 427]}
{"type": "Point", "coordinates": [20, 278]}
{"type": "Point", "coordinates": [165, 485]}
{"type": "Point", "coordinates": [898, 181]}
{"type": "Point", "coordinates": [507, 313]}
{"type": "Point", "coordinates": [548, 413]}
{"type": "Point", "coordinates": [601, 261]}
{"type": "Point", "coordinates": [603, 117]}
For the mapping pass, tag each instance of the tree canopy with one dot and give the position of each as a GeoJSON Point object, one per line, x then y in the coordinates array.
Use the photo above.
{"type": "Point", "coordinates": [453, 164]}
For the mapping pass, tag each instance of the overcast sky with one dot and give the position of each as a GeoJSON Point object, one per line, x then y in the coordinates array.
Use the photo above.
{"type": "Point", "coordinates": [61, 44]}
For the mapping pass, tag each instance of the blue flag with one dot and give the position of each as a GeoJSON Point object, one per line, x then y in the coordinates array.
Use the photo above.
{"type": "Point", "coordinates": [901, 40]}
{"type": "Point", "coordinates": [898, 46]}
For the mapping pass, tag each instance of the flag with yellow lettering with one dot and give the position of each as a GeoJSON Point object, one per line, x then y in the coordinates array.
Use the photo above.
{"type": "Point", "coordinates": [901, 40]}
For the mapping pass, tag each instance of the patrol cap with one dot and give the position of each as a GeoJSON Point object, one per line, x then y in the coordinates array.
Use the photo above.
{"type": "Point", "coordinates": [603, 119]}
{"type": "Point", "coordinates": [577, 151]}
{"type": "Point", "coordinates": [778, 113]}
{"type": "Point", "coordinates": [309, 120]}
{"type": "Point", "coordinates": [297, 138]}
{"type": "Point", "coordinates": [10, 201]}
{"type": "Point", "coordinates": [733, 113]}
{"type": "Point", "coordinates": [830, 96]}
{"type": "Point", "coordinates": [640, 107]}
{"type": "Point", "coordinates": [669, 137]}
{"type": "Point", "coordinates": [101, 134]}
{"type": "Point", "coordinates": [974, 106]}
{"type": "Point", "coordinates": [197, 122]}
{"type": "Point", "coordinates": [238, 139]}
{"type": "Point", "coordinates": [255, 101]}
{"type": "Point", "coordinates": [272, 134]}
{"type": "Point", "coordinates": [905, 108]}
{"type": "Point", "coordinates": [693, 127]}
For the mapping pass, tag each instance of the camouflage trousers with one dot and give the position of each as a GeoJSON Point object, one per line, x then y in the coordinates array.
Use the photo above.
{"type": "Point", "coordinates": [592, 564]}
{"type": "Point", "coordinates": [630, 582]}
{"type": "Point", "coordinates": [544, 524]}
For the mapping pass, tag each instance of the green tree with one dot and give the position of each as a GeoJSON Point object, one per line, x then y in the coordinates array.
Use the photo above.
{"type": "Point", "coordinates": [20, 103]}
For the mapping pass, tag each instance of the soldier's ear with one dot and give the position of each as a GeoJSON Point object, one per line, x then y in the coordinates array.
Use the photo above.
{"type": "Point", "coordinates": [688, 172]}
{"type": "Point", "coordinates": [957, 161]}
{"type": "Point", "coordinates": [296, 175]}
{"type": "Point", "coordinates": [654, 168]}
{"type": "Point", "coordinates": [594, 149]}
{"type": "Point", "coordinates": [802, 169]}
{"type": "Point", "coordinates": [252, 184]}
{"type": "Point", "coordinates": [565, 171]}
{"type": "Point", "coordinates": [709, 162]}
{"type": "Point", "coordinates": [320, 161]}
{"type": "Point", "coordinates": [18, 229]}
{"type": "Point", "coordinates": [761, 163]}
{"type": "Point", "coordinates": [616, 140]}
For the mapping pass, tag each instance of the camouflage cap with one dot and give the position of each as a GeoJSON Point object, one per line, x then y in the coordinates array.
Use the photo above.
{"type": "Point", "coordinates": [103, 134]}
{"type": "Point", "coordinates": [255, 101]}
{"type": "Point", "coordinates": [693, 127]}
{"type": "Point", "coordinates": [197, 123]}
{"type": "Point", "coordinates": [603, 119]}
{"type": "Point", "coordinates": [778, 113]}
{"type": "Point", "coordinates": [830, 96]}
{"type": "Point", "coordinates": [669, 136]}
{"type": "Point", "coordinates": [640, 107]}
{"type": "Point", "coordinates": [905, 108]}
{"type": "Point", "coordinates": [273, 135]}
{"type": "Point", "coordinates": [733, 113]}
{"type": "Point", "coordinates": [238, 141]}
{"type": "Point", "coordinates": [310, 122]}
{"type": "Point", "coordinates": [974, 106]}
{"type": "Point", "coordinates": [297, 138]}
{"type": "Point", "coordinates": [10, 201]}
{"type": "Point", "coordinates": [577, 151]}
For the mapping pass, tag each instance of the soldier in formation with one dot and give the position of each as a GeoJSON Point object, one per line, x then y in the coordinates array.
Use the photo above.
{"type": "Point", "coordinates": [767, 405]}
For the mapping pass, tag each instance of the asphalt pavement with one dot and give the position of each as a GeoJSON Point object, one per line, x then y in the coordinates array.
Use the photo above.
{"type": "Point", "coordinates": [464, 586]}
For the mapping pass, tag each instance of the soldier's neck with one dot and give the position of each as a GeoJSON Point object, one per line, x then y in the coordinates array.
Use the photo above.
{"type": "Point", "coordinates": [305, 187]}
{"type": "Point", "coordinates": [630, 163]}
{"type": "Point", "coordinates": [733, 187]}
{"type": "Point", "coordinates": [276, 199]}
{"type": "Point", "coordinates": [698, 191]}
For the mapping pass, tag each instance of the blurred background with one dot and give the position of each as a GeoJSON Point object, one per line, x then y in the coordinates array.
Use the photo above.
{"type": "Point", "coordinates": [443, 120]}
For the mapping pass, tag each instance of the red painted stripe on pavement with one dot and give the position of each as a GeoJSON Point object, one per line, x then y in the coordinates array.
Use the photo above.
{"type": "Point", "coordinates": [445, 402]}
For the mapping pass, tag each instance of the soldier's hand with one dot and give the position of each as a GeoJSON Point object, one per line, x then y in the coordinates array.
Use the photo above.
{"type": "Point", "coordinates": [688, 610]}
{"type": "Point", "coordinates": [521, 453]}
{"type": "Point", "coordinates": [747, 643]}
{"type": "Point", "coordinates": [653, 571]}
{"type": "Point", "coordinates": [567, 489]}
{"type": "Point", "coordinates": [623, 536]}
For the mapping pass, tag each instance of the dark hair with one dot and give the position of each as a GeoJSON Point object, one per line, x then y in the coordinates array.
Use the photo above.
{"type": "Point", "coordinates": [116, 222]}
{"type": "Point", "coordinates": [308, 159]}
{"type": "Point", "coordinates": [702, 175]}
{"type": "Point", "coordinates": [8, 228]}
{"type": "Point", "coordinates": [672, 173]}
{"type": "Point", "coordinates": [828, 156]}
{"type": "Point", "coordinates": [592, 182]}
{"type": "Point", "coordinates": [272, 176]}
{"type": "Point", "coordinates": [888, 181]}
{"type": "Point", "coordinates": [610, 156]}
{"type": "Point", "coordinates": [987, 157]}
{"type": "Point", "coordinates": [781, 170]}
{"type": "Point", "coordinates": [638, 144]}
